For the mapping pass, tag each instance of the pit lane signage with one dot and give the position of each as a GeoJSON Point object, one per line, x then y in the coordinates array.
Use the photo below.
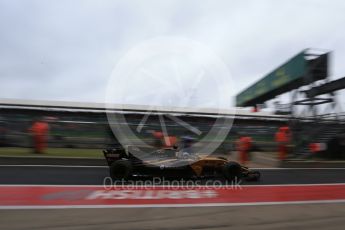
{"type": "Point", "coordinates": [281, 77]}
{"type": "Point", "coordinates": [20, 197]}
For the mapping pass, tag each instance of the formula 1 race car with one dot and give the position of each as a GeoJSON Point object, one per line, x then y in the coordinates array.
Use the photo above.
{"type": "Point", "coordinates": [168, 162]}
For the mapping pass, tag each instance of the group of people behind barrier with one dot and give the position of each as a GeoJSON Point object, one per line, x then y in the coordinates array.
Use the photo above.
{"type": "Point", "coordinates": [244, 144]}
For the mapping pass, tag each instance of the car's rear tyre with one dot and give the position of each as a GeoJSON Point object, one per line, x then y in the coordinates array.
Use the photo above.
{"type": "Point", "coordinates": [121, 169]}
{"type": "Point", "coordinates": [232, 171]}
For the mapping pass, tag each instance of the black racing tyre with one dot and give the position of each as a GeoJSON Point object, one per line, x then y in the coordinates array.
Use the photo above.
{"type": "Point", "coordinates": [121, 169]}
{"type": "Point", "coordinates": [232, 171]}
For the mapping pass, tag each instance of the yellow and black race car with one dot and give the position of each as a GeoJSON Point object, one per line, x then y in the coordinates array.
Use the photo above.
{"type": "Point", "coordinates": [170, 162]}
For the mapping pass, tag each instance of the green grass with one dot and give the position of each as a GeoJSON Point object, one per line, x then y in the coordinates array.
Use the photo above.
{"type": "Point", "coordinates": [52, 152]}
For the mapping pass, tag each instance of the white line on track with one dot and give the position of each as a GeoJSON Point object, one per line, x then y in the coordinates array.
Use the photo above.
{"type": "Point", "coordinates": [165, 186]}
{"type": "Point", "coordinates": [172, 205]}
{"type": "Point", "coordinates": [104, 166]}
{"type": "Point", "coordinates": [58, 166]}
{"type": "Point", "coordinates": [52, 157]}
{"type": "Point", "coordinates": [296, 168]}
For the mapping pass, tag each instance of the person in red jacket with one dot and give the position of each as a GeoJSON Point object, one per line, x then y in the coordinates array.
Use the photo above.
{"type": "Point", "coordinates": [160, 141]}
{"type": "Point", "coordinates": [244, 144]}
{"type": "Point", "coordinates": [39, 131]}
{"type": "Point", "coordinates": [283, 137]}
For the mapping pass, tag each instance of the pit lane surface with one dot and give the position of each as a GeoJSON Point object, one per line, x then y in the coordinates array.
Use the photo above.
{"type": "Point", "coordinates": [311, 216]}
{"type": "Point", "coordinates": [278, 216]}
{"type": "Point", "coordinates": [89, 175]}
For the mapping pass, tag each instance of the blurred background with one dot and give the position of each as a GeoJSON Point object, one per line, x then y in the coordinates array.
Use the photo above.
{"type": "Point", "coordinates": [284, 111]}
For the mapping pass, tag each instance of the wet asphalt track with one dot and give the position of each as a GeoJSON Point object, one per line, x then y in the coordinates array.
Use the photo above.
{"type": "Point", "coordinates": [73, 175]}
{"type": "Point", "coordinates": [299, 216]}
{"type": "Point", "coordinates": [283, 217]}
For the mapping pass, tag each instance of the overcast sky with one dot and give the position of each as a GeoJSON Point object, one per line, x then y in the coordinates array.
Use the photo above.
{"type": "Point", "coordinates": [67, 49]}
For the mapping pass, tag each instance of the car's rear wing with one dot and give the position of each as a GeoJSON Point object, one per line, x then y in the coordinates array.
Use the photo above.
{"type": "Point", "coordinates": [114, 154]}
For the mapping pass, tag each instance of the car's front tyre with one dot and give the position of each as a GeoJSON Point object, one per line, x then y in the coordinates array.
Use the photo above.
{"type": "Point", "coordinates": [232, 171]}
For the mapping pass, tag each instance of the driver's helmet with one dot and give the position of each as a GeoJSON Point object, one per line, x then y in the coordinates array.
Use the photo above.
{"type": "Point", "coordinates": [185, 155]}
